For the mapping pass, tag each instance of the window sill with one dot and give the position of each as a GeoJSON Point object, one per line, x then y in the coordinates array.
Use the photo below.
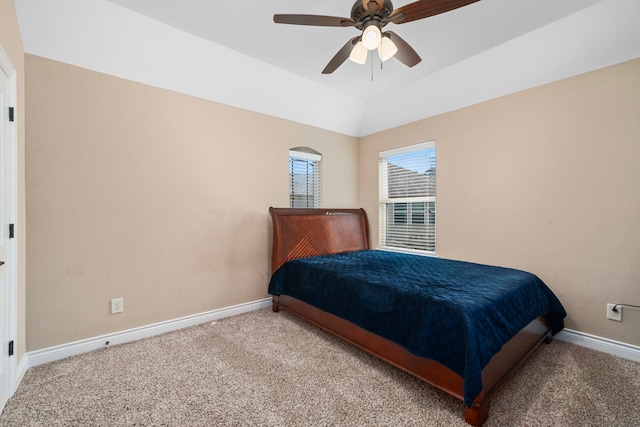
{"type": "Point", "coordinates": [407, 251]}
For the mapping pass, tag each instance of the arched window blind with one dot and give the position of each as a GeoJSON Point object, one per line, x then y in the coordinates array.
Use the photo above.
{"type": "Point", "coordinates": [305, 178]}
{"type": "Point", "coordinates": [408, 198]}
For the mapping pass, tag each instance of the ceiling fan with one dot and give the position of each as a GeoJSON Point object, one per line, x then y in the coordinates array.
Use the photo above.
{"type": "Point", "coordinates": [370, 17]}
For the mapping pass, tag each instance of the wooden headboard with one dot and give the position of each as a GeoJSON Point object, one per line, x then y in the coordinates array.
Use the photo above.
{"type": "Point", "coordinates": [300, 233]}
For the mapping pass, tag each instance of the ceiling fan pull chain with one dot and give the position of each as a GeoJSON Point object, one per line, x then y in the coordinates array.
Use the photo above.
{"type": "Point", "coordinates": [371, 54]}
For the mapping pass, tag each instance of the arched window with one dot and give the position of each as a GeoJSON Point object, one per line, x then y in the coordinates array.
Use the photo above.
{"type": "Point", "coordinates": [305, 178]}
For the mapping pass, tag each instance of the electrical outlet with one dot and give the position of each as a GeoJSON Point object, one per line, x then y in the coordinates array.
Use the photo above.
{"type": "Point", "coordinates": [117, 305]}
{"type": "Point", "coordinates": [614, 315]}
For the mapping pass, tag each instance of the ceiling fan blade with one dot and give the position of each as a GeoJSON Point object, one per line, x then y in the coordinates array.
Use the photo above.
{"type": "Point", "coordinates": [425, 8]}
{"type": "Point", "coordinates": [318, 20]}
{"type": "Point", "coordinates": [341, 56]}
{"type": "Point", "coordinates": [405, 54]}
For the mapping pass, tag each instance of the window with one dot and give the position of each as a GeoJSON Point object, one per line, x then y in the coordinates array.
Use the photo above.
{"type": "Point", "coordinates": [408, 198]}
{"type": "Point", "coordinates": [305, 178]}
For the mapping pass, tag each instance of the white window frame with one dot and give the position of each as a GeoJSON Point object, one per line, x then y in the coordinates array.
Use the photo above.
{"type": "Point", "coordinates": [314, 159]}
{"type": "Point", "coordinates": [409, 243]}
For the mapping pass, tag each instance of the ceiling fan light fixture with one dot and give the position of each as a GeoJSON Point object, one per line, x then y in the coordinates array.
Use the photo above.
{"type": "Point", "coordinates": [370, 17]}
{"type": "Point", "coordinates": [371, 37]}
{"type": "Point", "coordinates": [387, 49]}
{"type": "Point", "coordinates": [359, 54]}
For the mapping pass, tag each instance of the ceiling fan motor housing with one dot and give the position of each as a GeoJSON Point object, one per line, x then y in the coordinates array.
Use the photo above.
{"type": "Point", "coordinates": [364, 18]}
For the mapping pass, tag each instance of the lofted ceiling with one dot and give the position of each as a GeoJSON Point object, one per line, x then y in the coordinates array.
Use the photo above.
{"type": "Point", "coordinates": [233, 52]}
{"type": "Point", "coordinates": [441, 40]}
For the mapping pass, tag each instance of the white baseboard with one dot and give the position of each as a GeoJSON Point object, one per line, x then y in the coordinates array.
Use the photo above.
{"type": "Point", "coordinates": [20, 371]}
{"type": "Point", "coordinates": [51, 354]}
{"type": "Point", "coordinates": [604, 345]}
{"type": "Point", "coordinates": [46, 355]}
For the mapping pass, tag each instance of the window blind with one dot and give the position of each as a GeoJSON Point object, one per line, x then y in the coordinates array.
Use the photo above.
{"type": "Point", "coordinates": [305, 179]}
{"type": "Point", "coordinates": [408, 198]}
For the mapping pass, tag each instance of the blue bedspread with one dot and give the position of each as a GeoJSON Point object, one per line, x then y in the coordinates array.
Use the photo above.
{"type": "Point", "coordinates": [457, 313]}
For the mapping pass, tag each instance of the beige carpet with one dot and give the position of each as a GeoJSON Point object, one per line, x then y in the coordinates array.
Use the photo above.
{"type": "Point", "coordinates": [272, 369]}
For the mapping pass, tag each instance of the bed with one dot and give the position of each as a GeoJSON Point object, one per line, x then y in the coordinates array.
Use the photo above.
{"type": "Point", "coordinates": [461, 327]}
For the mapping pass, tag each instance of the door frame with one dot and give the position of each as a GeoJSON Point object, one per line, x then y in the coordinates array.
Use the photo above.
{"type": "Point", "coordinates": [12, 257]}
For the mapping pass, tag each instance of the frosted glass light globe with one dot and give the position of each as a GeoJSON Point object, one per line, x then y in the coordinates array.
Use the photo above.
{"type": "Point", "coordinates": [371, 37]}
{"type": "Point", "coordinates": [359, 54]}
{"type": "Point", "coordinates": [387, 49]}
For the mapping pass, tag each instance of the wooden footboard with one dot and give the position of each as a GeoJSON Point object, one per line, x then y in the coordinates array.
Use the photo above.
{"type": "Point", "coordinates": [499, 369]}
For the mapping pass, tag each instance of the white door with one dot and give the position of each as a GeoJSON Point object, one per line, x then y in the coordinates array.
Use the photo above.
{"type": "Point", "coordinates": [5, 210]}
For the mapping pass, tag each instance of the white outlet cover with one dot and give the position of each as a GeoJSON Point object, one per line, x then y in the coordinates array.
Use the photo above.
{"type": "Point", "coordinates": [117, 305]}
{"type": "Point", "coordinates": [614, 315]}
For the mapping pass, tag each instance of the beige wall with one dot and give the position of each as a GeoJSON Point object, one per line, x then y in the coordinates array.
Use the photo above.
{"type": "Point", "coordinates": [546, 180]}
{"type": "Point", "coordinates": [162, 198]}
{"type": "Point", "coordinates": [153, 196]}
{"type": "Point", "coordinates": [11, 42]}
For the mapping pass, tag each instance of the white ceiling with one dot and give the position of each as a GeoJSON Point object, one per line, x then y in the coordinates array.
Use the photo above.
{"type": "Point", "coordinates": [233, 52]}
{"type": "Point", "coordinates": [441, 40]}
